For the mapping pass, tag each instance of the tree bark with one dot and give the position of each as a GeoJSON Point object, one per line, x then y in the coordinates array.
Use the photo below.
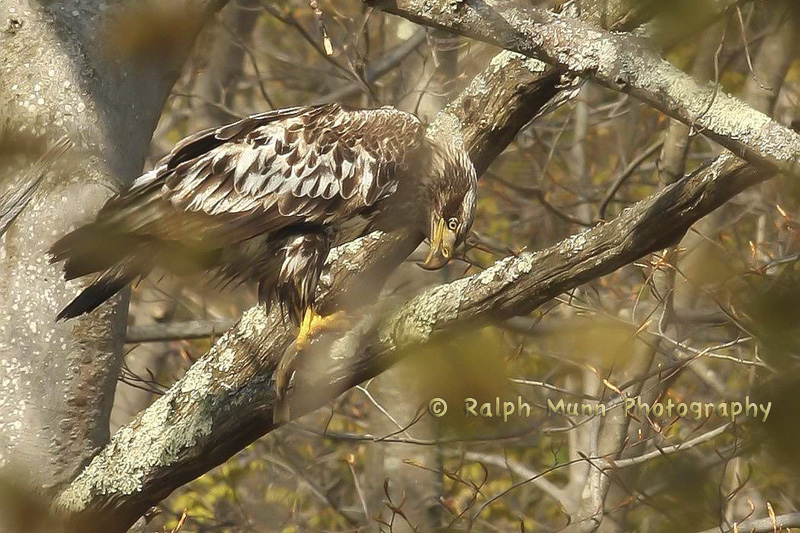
{"type": "Point", "coordinates": [66, 71]}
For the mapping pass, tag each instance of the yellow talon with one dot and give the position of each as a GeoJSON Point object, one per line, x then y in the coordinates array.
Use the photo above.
{"type": "Point", "coordinates": [311, 327]}
{"type": "Point", "coordinates": [335, 321]}
{"type": "Point", "coordinates": [313, 324]}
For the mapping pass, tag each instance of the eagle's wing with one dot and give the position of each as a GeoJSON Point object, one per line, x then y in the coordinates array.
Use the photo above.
{"type": "Point", "coordinates": [311, 167]}
{"type": "Point", "coordinates": [312, 164]}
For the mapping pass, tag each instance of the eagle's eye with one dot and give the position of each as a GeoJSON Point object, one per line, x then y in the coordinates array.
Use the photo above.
{"type": "Point", "coordinates": [452, 224]}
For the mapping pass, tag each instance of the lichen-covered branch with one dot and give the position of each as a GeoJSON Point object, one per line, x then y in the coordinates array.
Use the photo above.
{"type": "Point", "coordinates": [619, 61]}
{"type": "Point", "coordinates": [517, 285]}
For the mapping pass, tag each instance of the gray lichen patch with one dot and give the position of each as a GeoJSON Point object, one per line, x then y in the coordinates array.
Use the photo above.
{"type": "Point", "coordinates": [415, 321]}
{"type": "Point", "coordinates": [446, 125]}
{"type": "Point", "coordinates": [596, 53]}
{"type": "Point", "coordinates": [172, 424]}
{"type": "Point", "coordinates": [482, 86]}
{"type": "Point", "coordinates": [154, 439]}
{"type": "Point", "coordinates": [507, 270]}
{"type": "Point", "coordinates": [574, 243]}
{"type": "Point", "coordinates": [502, 60]}
{"type": "Point", "coordinates": [506, 57]}
{"type": "Point", "coordinates": [535, 66]}
{"type": "Point", "coordinates": [523, 264]}
{"type": "Point", "coordinates": [197, 380]}
{"type": "Point", "coordinates": [226, 358]}
{"type": "Point", "coordinates": [437, 307]}
{"type": "Point", "coordinates": [252, 324]}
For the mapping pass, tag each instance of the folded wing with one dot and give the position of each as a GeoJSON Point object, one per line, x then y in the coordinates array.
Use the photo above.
{"type": "Point", "coordinates": [292, 168]}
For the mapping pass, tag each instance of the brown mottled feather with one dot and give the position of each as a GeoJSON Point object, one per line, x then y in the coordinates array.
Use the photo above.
{"type": "Point", "coordinates": [268, 178]}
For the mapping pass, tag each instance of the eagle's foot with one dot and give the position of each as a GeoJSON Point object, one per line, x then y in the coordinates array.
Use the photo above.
{"type": "Point", "coordinates": [314, 325]}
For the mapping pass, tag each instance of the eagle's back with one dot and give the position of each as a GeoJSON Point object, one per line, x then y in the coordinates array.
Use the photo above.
{"type": "Point", "coordinates": [313, 165]}
{"type": "Point", "coordinates": [318, 168]}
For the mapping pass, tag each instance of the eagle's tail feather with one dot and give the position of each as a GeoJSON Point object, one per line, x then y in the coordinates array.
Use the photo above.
{"type": "Point", "coordinates": [90, 249]}
{"type": "Point", "coordinates": [119, 258]}
{"type": "Point", "coordinates": [107, 285]}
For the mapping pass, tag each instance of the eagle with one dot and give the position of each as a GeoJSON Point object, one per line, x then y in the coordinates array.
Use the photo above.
{"type": "Point", "coordinates": [265, 199]}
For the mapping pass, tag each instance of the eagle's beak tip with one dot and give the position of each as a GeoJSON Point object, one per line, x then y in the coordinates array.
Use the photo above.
{"type": "Point", "coordinates": [441, 247]}
{"type": "Point", "coordinates": [435, 260]}
{"type": "Point", "coordinates": [427, 266]}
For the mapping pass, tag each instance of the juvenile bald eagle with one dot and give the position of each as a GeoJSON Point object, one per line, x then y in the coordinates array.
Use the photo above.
{"type": "Point", "coordinates": [265, 199]}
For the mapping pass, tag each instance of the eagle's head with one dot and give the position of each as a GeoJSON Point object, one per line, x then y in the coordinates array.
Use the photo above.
{"type": "Point", "coordinates": [451, 191]}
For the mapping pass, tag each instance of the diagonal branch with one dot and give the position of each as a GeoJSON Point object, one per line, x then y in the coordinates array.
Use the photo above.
{"type": "Point", "coordinates": [518, 285]}
{"type": "Point", "coordinates": [619, 61]}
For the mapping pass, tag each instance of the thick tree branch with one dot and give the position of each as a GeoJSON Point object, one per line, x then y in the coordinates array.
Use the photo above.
{"type": "Point", "coordinates": [517, 285]}
{"type": "Point", "coordinates": [82, 71]}
{"type": "Point", "coordinates": [619, 61]}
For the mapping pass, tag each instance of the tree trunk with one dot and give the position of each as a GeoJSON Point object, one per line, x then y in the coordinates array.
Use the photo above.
{"type": "Point", "coordinates": [71, 70]}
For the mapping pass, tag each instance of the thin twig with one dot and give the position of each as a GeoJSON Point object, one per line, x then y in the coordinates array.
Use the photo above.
{"type": "Point", "coordinates": [627, 173]}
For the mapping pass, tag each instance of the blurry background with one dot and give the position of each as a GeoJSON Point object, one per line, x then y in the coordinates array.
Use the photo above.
{"type": "Point", "coordinates": [713, 319]}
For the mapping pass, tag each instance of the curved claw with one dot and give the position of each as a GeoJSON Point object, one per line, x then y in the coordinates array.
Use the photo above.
{"type": "Point", "coordinates": [283, 373]}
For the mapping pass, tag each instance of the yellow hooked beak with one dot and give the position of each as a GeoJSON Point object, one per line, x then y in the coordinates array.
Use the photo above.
{"type": "Point", "coordinates": [443, 240]}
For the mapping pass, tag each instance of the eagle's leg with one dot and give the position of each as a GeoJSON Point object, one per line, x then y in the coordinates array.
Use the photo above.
{"type": "Point", "coordinates": [302, 260]}
{"type": "Point", "coordinates": [288, 362]}
{"type": "Point", "coordinates": [304, 336]}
